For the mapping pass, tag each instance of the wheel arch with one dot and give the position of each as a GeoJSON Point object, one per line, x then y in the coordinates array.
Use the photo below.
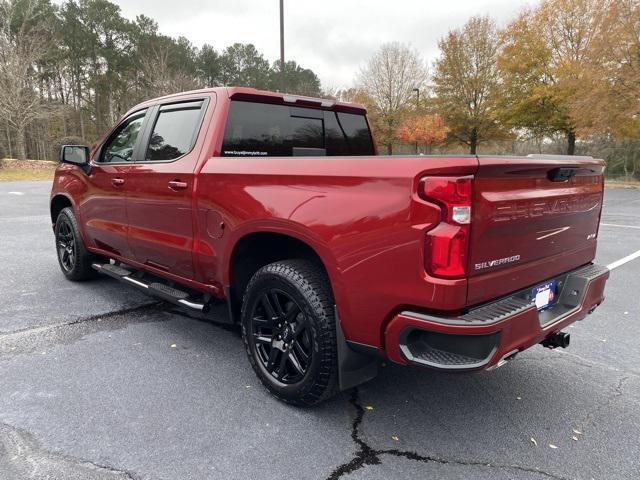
{"type": "Point", "coordinates": [57, 204]}
{"type": "Point", "coordinates": [257, 249]}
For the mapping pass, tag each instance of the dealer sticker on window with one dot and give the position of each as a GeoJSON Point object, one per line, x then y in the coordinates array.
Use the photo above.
{"type": "Point", "coordinates": [544, 294]}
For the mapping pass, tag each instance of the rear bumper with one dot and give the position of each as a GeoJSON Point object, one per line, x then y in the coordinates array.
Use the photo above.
{"type": "Point", "coordinates": [488, 335]}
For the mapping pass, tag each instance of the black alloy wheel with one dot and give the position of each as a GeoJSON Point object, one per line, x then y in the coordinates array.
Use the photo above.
{"type": "Point", "coordinates": [74, 259]}
{"type": "Point", "coordinates": [279, 329]}
{"type": "Point", "coordinates": [66, 245]}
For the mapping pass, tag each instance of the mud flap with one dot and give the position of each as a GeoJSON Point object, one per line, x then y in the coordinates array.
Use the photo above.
{"type": "Point", "coordinates": [354, 367]}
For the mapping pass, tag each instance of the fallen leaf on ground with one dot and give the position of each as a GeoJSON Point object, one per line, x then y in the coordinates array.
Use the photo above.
{"type": "Point", "coordinates": [577, 432]}
{"type": "Point", "coordinates": [574, 438]}
{"type": "Point", "coordinates": [173, 345]}
{"type": "Point", "coordinates": [394, 437]}
{"type": "Point", "coordinates": [518, 398]}
{"type": "Point", "coordinates": [533, 440]}
{"type": "Point", "coordinates": [551, 445]}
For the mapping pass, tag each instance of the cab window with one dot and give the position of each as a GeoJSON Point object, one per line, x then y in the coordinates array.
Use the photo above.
{"type": "Point", "coordinates": [262, 130]}
{"type": "Point", "coordinates": [119, 147]}
{"type": "Point", "coordinates": [175, 131]}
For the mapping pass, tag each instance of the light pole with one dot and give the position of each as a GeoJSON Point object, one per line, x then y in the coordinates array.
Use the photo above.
{"type": "Point", "coordinates": [417, 90]}
{"type": "Point", "coordinates": [282, 78]}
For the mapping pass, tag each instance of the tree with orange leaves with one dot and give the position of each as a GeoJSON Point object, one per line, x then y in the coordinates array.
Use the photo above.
{"type": "Point", "coordinates": [425, 129]}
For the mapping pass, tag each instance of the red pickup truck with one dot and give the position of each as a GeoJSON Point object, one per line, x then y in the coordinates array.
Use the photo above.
{"type": "Point", "coordinates": [329, 256]}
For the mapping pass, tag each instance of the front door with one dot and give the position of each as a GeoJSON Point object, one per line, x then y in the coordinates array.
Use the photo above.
{"type": "Point", "coordinates": [104, 208]}
{"type": "Point", "coordinates": [159, 202]}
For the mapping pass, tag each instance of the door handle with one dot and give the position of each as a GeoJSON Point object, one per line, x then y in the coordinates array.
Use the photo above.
{"type": "Point", "coordinates": [117, 182]}
{"type": "Point", "coordinates": [177, 185]}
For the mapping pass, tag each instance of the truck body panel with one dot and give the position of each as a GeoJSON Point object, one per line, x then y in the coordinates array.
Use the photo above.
{"type": "Point", "coordinates": [367, 218]}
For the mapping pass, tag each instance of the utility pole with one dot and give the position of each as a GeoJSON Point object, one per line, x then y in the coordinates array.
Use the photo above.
{"type": "Point", "coordinates": [417, 90]}
{"type": "Point", "coordinates": [282, 78]}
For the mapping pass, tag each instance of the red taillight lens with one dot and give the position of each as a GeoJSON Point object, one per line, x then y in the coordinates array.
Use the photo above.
{"type": "Point", "coordinates": [447, 245]}
{"type": "Point", "coordinates": [446, 254]}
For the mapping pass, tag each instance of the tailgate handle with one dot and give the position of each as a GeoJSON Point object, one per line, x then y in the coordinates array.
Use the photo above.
{"type": "Point", "coordinates": [561, 174]}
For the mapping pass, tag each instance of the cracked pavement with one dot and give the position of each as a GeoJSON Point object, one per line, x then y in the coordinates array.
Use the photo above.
{"type": "Point", "coordinates": [98, 381]}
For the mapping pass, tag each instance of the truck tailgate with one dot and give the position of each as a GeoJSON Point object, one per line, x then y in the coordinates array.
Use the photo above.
{"type": "Point", "coordinates": [533, 218]}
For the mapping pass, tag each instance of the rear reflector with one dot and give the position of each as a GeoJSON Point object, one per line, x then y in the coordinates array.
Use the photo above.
{"type": "Point", "coordinates": [447, 245]}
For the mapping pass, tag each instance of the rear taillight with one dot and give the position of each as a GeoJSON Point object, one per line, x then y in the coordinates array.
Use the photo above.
{"type": "Point", "coordinates": [447, 245]}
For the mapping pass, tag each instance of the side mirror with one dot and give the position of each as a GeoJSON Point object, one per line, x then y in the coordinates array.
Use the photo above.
{"type": "Point", "coordinates": [75, 154]}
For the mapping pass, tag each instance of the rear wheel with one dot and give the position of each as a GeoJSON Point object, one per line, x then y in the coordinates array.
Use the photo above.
{"type": "Point", "coordinates": [288, 327]}
{"type": "Point", "coordinates": [74, 259]}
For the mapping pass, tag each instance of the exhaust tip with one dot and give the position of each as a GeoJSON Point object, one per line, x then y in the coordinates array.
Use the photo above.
{"type": "Point", "coordinates": [558, 339]}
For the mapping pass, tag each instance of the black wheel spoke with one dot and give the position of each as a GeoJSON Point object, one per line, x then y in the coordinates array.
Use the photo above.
{"type": "Point", "coordinates": [268, 307]}
{"type": "Point", "coordinates": [300, 351]}
{"type": "Point", "coordinates": [282, 366]}
{"type": "Point", "coordinates": [301, 325]}
{"type": "Point", "coordinates": [273, 354]}
{"type": "Point", "coordinates": [277, 306]}
{"type": "Point", "coordinates": [294, 361]}
{"type": "Point", "coordinates": [263, 322]}
{"type": "Point", "coordinates": [292, 313]}
{"type": "Point", "coordinates": [261, 338]}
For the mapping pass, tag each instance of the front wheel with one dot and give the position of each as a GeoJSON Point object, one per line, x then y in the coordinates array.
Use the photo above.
{"type": "Point", "coordinates": [288, 328]}
{"type": "Point", "coordinates": [74, 259]}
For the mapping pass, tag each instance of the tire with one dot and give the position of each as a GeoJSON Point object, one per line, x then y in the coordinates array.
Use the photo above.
{"type": "Point", "coordinates": [288, 329]}
{"type": "Point", "coordinates": [73, 258]}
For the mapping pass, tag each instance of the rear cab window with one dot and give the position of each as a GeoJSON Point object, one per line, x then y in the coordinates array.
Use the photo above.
{"type": "Point", "coordinates": [266, 130]}
{"type": "Point", "coordinates": [175, 131]}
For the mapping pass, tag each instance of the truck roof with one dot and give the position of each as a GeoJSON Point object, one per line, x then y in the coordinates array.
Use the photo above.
{"type": "Point", "coordinates": [247, 93]}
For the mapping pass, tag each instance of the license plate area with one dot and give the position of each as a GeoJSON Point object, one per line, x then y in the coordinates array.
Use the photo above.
{"type": "Point", "coordinates": [545, 295]}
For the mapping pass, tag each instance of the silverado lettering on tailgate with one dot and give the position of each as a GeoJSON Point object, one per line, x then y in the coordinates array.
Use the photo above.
{"type": "Point", "coordinates": [496, 262]}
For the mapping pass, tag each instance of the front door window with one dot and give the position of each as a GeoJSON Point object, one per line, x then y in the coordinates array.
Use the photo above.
{"type": "Point", "coordinates": [119, 148]}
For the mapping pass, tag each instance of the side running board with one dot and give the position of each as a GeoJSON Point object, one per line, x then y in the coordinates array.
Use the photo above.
{"type": "Point", "coordinates": [160, 290]}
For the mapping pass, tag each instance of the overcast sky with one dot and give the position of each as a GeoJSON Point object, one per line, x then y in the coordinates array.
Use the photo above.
{"type": "Point", "coordinates": [332, 37]}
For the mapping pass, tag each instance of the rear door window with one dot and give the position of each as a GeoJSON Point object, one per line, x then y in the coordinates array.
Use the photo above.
{"type": "Point", "coordinates": [258, 129]}
{"type": "Point", "coordinates": [174, 132]}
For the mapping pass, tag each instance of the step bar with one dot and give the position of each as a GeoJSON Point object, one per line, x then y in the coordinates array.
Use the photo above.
{"type": "Point", "coordinates": [160, 290]}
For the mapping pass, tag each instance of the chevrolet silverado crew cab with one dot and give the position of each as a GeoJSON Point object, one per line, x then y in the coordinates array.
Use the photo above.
{"type": "Point", "coordinates": [330, 257]}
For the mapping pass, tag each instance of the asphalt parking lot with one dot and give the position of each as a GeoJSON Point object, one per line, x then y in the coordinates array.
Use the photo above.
{"type": "Point", "coordinates": [98, 381]}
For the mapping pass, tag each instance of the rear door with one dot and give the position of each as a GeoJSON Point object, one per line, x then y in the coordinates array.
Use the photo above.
{"type": "Point", "coordinates": [161, 184]}
{"type": "Point", "coordinates": [533, 218]}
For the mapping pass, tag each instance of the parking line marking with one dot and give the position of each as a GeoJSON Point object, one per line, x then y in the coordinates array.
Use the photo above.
{"type": "Point", "coordinates": [622, 261]}
{"type": "Point", "coordinates": [621, 226]}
